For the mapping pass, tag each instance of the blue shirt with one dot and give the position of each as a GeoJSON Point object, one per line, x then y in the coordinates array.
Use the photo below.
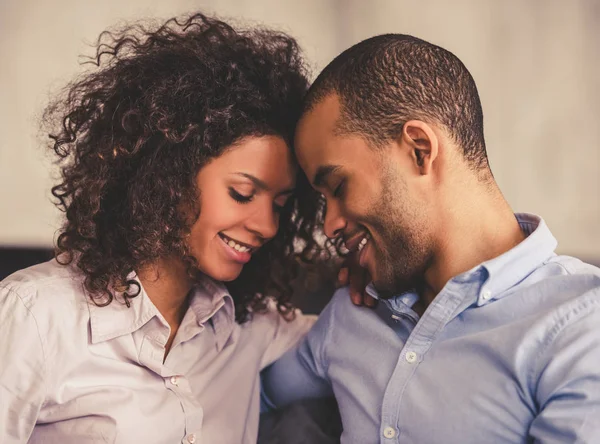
{"type": "Point", "coordinates": [508, 352]}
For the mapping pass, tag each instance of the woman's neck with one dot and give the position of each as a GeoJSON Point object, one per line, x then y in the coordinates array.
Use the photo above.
{"type": "Point", "coordinates": [168, 284]}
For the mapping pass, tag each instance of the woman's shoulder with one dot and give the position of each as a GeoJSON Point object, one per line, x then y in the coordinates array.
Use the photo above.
{"type": "Point", "coordinates": [271, 320]}
{"type": "Point", "coordinates": [45, 290]}
{"type": "Point", "coordinates": [278, 333]}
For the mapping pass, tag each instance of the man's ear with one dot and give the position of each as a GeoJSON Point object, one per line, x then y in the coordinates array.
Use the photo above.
{"type": "Point", "coordinates": [422, 144]}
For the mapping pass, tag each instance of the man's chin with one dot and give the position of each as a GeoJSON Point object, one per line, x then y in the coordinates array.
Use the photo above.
{"type": "Point", "coordinates": [384, 290]}
{"type": "Point", "coordinates": [387, 289]}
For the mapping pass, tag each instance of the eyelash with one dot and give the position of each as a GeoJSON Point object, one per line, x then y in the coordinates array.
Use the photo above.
{"type": "Point", "coordinates": [240, 198]}
{"type": "Point", "coordinates": [339, 191]}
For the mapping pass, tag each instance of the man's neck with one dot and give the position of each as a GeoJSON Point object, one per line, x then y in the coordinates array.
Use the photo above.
{"type": "Point", "coordinates": [478, 227]}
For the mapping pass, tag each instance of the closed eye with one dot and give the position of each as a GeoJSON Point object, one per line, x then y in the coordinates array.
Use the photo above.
{"type": "Point", "coordinates": [238, 197]}
{"type": "Point", "coordinates": [339, 190]}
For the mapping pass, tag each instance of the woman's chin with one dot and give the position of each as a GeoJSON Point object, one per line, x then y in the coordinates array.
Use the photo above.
{"type": "Point", "coordinates": [225, 274]}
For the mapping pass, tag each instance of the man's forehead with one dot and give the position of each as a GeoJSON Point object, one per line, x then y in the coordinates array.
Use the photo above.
{"type": "Point", "coordinates": [317, 128]}
{"type": "Point", "coordinates": [321, 118]}
{"type": "Point", "coordinates": [328, 106]}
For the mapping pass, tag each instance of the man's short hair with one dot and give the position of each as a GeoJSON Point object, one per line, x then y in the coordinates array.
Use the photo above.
{"type": "Point", "coordinates": [387, 80]}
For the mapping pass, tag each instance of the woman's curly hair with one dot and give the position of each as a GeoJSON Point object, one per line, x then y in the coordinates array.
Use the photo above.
{"type": "Point", "coordinates": [134, 131]}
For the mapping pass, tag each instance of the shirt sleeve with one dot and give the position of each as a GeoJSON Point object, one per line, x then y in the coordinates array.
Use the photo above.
{"type": "Point", "coordinates": [22, 369]}
{"type": "Point", "coordinates": [302, 372]}
{"type": "Point", "coordinates": [568, 383]}
{"type": "Point", "coordinates": [286, 334]}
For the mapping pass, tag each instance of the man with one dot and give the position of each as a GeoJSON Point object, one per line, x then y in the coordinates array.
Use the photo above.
{"type": "Point", "coordinates": [482, 333]}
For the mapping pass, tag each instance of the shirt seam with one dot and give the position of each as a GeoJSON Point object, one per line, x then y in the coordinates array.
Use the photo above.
{"type": "Point", "coordinates": [567, 320]}
{"type": "Point", "coordinates": [38, 281]}
{"type": "Point", "coordinates": [323, 352]}
{"type": "Point", "coordinates": [561, 265]}
{"type": "Point", "coordinates": [44, 359]}
{"type": "Point", "coordinates": [273, 340]}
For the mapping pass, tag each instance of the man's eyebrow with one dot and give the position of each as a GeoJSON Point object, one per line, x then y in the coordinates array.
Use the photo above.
{"type": "Point", "coordinates": [322, 173]}
{"type": "Point", "coordinates": [262, 185]}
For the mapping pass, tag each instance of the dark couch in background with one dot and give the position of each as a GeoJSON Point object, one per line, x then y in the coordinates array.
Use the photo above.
{"type": "Point", "coordinates": [15, 258]}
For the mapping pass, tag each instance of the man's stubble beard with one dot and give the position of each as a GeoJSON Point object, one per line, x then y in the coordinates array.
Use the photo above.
{"type": "Point", "coordinates": [404, 256]}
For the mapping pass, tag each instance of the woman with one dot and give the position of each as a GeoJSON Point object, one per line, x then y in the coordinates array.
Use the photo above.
{"type": "Point", "coordinates": [184, 218]}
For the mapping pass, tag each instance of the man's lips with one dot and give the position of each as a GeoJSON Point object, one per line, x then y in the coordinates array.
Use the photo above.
{"type": "Point", "coordinates": [354, 241]}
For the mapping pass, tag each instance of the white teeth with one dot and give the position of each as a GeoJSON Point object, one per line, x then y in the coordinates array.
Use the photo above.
{"type": "Point", "coordinates": [236, 246]}
{"type": "Point", "coordinates": [362, 243]}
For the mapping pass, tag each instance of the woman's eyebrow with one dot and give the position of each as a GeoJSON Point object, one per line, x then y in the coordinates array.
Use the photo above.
{"type": "Point", "coordinates": [255, 180]}
{"type": "Point", "coordinates": [262, 185]}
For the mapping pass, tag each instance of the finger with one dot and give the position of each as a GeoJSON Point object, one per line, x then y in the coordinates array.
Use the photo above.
{"type": "Point", "coordinates": [342, 278]}
{"type": "Point", "coordinates": [369, 301]}
{"type": "Point", "coordinates": [358, 280]}
{"type": "Point", "coordinates": [356, 297]}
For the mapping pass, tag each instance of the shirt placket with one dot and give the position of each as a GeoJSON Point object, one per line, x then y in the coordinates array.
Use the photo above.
{"type": "Point", "coordinates": [181, 387]}
{"type": "Point", "coordinates": [418, 343]}
{"type": "Point", "coordinates": [192, 410]}
{"type": "Point", "coordinates": [151, 355]}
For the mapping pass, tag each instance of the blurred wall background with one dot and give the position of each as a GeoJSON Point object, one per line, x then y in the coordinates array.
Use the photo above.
{"type": "Point", "coordinates": [536, 63]}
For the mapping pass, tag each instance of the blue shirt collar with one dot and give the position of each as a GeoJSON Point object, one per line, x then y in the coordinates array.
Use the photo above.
{"type": "Point", "coordinates": [510, 268]}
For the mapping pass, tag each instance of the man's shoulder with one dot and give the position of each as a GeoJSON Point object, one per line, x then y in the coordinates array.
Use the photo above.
{"type": "Point", "coordinates": [572, 266]}
{"type": "Point", "coordinates": [555, 290]}
{"type": "Point", "coordinates": [341, 315]}
{"type": "Point", "coordinates": [569, 347]}
{"type": "Point", "coordinates": [566, 303]}
{"type": "Point", "coordinates": [563, 280]}
{"type": "Point", "coordinates": [340, 305]}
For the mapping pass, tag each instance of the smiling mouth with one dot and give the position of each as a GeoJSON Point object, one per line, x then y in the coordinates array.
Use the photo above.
{"type": "Point", "coordinates": [238, 245]}
{"type": "Point", "coordinates": [357, 243]}
{"type": "Point", "coordinates": [363, 242]}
